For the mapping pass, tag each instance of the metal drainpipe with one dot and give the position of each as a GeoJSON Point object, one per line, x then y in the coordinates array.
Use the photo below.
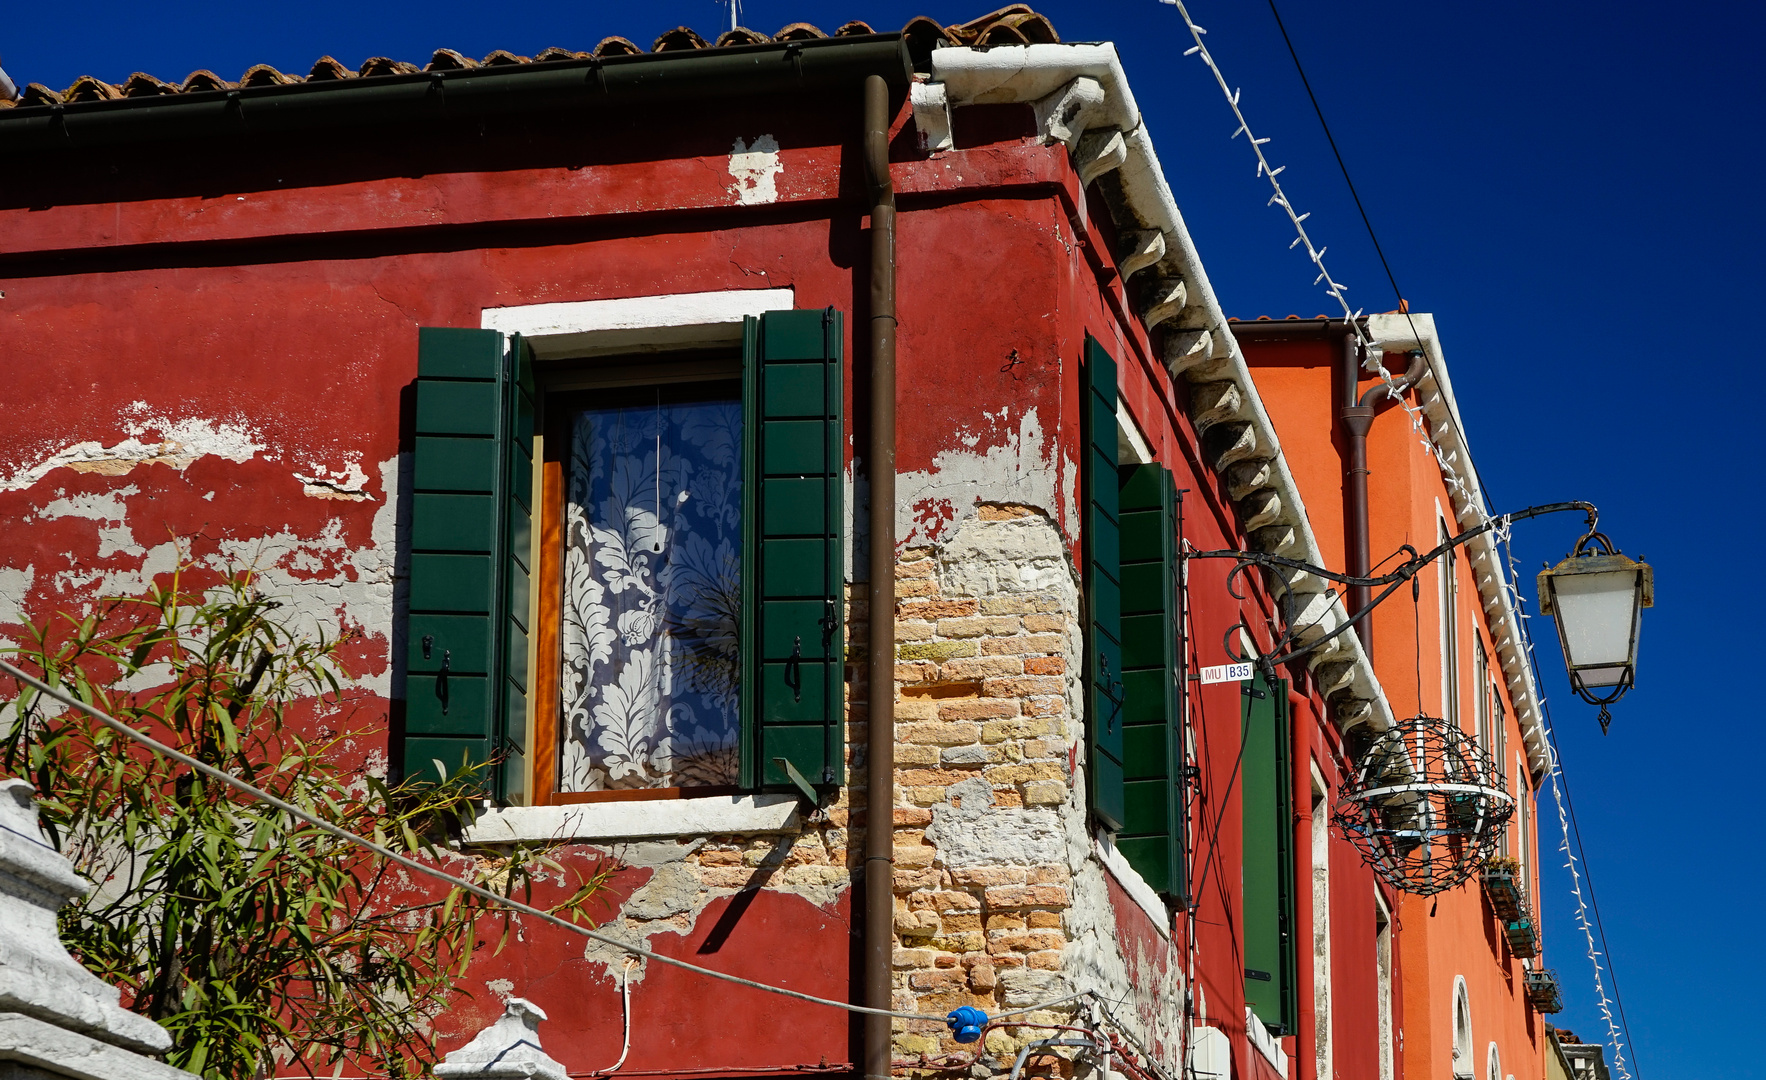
{"type": "Point", "coordinates": [880, 725]}
{"type": "Point", "coordinates": [1357, 414]}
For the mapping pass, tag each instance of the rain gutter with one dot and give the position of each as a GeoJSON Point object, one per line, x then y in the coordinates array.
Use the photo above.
{"type": "Point", "coordinates": [802, 67]}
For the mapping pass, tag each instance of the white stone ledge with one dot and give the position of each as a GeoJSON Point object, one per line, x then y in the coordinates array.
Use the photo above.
{"type": "Point", "coordinates": [639, 819]}
{"type": "Point", "coordinates": [1133, 884]}
{"type": "Point", "coordinates": [46, 1049]}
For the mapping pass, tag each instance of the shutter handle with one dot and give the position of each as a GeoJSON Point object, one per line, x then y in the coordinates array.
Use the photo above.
{"type": "Point", "coordinates": [794, 670]}
{"type": "Point", "coordinates": [1112, 688]}
{"type": "Point", "coordinates": [827, 623]}
{"type": "Point", "coordinates": [441, 679]}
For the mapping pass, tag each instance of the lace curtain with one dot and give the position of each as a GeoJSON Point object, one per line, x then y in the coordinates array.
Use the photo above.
{"type": "Point", "coordinates": [652, 572]}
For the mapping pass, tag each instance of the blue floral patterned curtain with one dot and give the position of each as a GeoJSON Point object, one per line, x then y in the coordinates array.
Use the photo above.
{"type": "Point", "coordinates": [652, 573]}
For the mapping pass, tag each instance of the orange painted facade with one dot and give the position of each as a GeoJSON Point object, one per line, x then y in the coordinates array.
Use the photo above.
{"type": "Point", "coordinates": [1428, 663]}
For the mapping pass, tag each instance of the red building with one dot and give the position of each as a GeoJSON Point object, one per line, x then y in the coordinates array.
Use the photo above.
{"type": "Point", "coordinates": [566, 401]}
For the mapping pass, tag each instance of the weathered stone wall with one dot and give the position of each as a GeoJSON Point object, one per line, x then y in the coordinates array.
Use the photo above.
{"type": "Point", "coordinates": [1001, 898]}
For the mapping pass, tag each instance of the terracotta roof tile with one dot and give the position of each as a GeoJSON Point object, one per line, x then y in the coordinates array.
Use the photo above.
{"type": "Point", "coordinates": [681, 37]}
{"type": "Point", "coordinates": [324, 69]}
{"type": "Point", "coordinates": [617, 46]}
{"type": "Point", "coordinates": [142, 84]}
{"type": "Point", "coordinates": [1015, 24]}
{"type": "Point", "coordinates": [449, 60]}
{"type": "Point", "coordinates": [86, 88]}
{"type": "Point", "coordinates": [799, 31]}
{"type": "Point", "coordinates": [198, 81]}
{"type": "Point", "coordinates": [741, 35]}
{"type": "Point", "coordinates": [38, 94]}
{"type": "Point", "coordinates": [381, 65]}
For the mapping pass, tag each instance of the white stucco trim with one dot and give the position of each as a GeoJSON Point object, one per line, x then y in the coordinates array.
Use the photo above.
{"type": "Point", "coordinates": [1130, 443]}
{"type": "Point", "coordinates": [638, 819]}
{"type": "Point", "coordinates": [637, 323]}
{"type": "Point", "coordinates": [1132, 883]}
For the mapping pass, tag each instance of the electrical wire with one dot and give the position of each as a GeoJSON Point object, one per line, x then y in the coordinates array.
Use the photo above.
{"type": "Point", "coordinates": [1403, 306]}
{"type": "Point", "coordinates": [461, 883]}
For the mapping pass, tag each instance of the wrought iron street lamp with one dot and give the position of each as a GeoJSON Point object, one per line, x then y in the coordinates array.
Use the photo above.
{"type": "Point", "coordinates": [1597, 599]}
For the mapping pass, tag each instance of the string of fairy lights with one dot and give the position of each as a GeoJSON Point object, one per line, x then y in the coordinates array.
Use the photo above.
{"type": "Point", "coordinates": [1444, 458]}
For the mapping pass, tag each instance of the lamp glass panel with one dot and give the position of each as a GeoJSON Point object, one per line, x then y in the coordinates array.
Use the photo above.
{"type": "Point", "coordinates": [1598, 677]}
{"type": "Point", "coordinates": [1596, 615]}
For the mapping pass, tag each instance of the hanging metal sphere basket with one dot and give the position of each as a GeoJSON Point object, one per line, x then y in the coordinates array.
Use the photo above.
{"type": "Point", "coordinates": [1425, 806]}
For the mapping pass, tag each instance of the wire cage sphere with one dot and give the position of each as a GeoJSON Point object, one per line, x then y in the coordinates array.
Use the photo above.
{"type": "Point", "coordinates": [1425, 806]}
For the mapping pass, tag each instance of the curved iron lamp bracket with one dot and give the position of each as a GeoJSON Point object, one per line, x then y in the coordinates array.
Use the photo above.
{"type": "Point", "coordinates": [1405, 571]}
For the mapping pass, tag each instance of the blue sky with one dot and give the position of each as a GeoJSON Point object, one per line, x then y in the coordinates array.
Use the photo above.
{"type": "Point", "coordinates": [1566, 186]}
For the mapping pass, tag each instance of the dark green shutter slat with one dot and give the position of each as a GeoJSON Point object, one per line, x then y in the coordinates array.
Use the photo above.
{"type": "Point", "coordinates": [1103, 557]}
{"type": "Point", "coordinates": [470, 529]}
{"type": "Point", "coordinates": [516, 438]}
{"type": "Point", "coordinates": [793, 572]}
{"type": "Point", "coordinates": [1151, 836]}
{"type": "Point", "coordinates": [1267, 804]}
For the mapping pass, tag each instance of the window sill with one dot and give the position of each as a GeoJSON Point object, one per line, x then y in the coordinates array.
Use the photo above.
{"type": "Point", "coordinates": [1132, 883]}
{"type": "Point", "coordinates": [639, 819]}
{"type": "Point", "coordinates": [1267, 1045]}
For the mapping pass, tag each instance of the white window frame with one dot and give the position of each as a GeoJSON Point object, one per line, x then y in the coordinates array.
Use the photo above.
{"type": "Point", "coordinates": [635, 325]}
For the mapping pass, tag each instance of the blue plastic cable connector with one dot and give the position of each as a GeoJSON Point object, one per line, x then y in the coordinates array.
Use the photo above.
{"type": "Point", "coordinates": [966, 1023]}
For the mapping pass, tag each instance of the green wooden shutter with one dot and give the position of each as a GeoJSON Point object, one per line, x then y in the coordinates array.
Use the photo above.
{"type": "Point", "coordinates": [1267, 801]}
{"type": "Point", "coordinates": [466, 634]}
{"type": "Point", "coordinates": [1152, 751]}
{"type": "Point", "coordinates": [793, 578]}
{"type": "Point", "coordinates": [1103, 588]}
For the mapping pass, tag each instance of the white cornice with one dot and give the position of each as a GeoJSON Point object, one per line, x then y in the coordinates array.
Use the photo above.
{"type": "Point", "coordinates": [1082, 100]}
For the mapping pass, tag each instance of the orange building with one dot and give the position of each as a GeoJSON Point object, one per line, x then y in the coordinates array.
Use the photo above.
{"type": "Point", "coordinates": [1470, 955]}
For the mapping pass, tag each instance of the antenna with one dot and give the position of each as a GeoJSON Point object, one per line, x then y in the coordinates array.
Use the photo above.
{"type": "Point", "coordinates": [735, 11]}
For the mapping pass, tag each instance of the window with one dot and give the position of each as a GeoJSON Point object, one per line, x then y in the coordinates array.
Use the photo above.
{"type": "Point", "coordinates": [1462, 1030]}
{"type": "Point", "coordinates": [1321, 923]}
{"type": "Point", "coordinates": [1267, 806]}
{"type": "Point", "coordinates": [649, 598]}
{"type": "Point", "coordinates": [1493, 1070]}
{"type": "Point", "coordinates": [1481, 697]}
{"type": "Point", "coordinates": [1449, 632]}
{"type": "Point", "coordinates": [678, 570]}
{"type": "Point", "coordinates": [1523, 804]}
{"type": "Point", "coordinates": [1383, 974]}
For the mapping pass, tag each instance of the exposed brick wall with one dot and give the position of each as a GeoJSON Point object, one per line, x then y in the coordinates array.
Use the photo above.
{"type": "Point", "coordinates": [983, 685]}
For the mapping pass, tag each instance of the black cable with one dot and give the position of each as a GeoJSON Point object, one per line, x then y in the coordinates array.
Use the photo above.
{"type": "Point", "coordinates": [1404, 307]}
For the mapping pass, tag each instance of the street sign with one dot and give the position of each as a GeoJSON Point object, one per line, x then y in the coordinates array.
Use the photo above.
{"type": "Point", "coordinates": [1226, 673]}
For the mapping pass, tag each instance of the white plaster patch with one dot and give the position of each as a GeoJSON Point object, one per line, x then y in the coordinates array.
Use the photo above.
{"type": "Point", "coordinates": [118, 539]}
{"type": "Point", "coordinates": [756, 167]}
{"type": "Point", "coordinates": [15, 584]}
{"type": "Point", "coordinates": [179, 442]}
{"type": "Point", "coordinates": [327, 586]}
{"type": "Point", "coordinates": [1019, 470]}
{"type": "Point", "coordinates": [95, 506]}
{"type": "Point", "coordinates": [978, 833]}
{"type": "Point", "coordinates": [348, 483]}
{"type": "Point", "coordinates": [737, 815]}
